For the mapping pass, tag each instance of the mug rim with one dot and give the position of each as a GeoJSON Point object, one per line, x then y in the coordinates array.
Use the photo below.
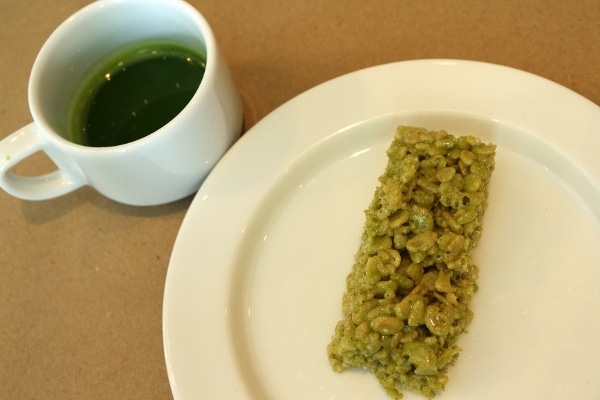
{"type": "Point", "coordinates": [56, 37]}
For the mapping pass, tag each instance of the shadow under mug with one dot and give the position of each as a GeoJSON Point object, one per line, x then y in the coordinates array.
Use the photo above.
{"type": "Point", "coordinates": [167, 165]}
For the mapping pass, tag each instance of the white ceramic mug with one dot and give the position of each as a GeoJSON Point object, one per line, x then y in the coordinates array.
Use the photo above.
{"type": "Point", "coordinates": [166, 165]}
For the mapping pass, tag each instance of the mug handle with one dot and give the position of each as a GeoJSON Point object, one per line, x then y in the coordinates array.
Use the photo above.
{"type": "Point", "coordinates": [22, 144]}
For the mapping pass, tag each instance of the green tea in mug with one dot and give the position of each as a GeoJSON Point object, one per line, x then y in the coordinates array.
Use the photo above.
{"type": "Point", "coordinates": [134, 92]}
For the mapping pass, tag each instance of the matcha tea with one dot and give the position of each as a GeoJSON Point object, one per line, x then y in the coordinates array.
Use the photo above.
{"type": "Point", "coordinates": [134, 93]}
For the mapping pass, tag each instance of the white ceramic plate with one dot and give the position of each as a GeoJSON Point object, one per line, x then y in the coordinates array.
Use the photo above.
{"type": "Point", "coordinates": [255, 282]}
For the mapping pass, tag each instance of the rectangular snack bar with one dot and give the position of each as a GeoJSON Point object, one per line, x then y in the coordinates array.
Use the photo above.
{"type": "Point", "coordinates": [407, 297]}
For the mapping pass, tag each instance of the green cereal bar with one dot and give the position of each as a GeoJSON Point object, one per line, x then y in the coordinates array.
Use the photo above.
{"type": "Point", "coordinates": [407, 297]}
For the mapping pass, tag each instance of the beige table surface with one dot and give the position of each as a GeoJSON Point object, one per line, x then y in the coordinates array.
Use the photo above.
{"type": "Point", "coordinates": [82, 277]}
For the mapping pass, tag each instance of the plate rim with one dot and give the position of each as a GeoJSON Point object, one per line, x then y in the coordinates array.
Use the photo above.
{"type": "Point", "coordinates": [178, 326]}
